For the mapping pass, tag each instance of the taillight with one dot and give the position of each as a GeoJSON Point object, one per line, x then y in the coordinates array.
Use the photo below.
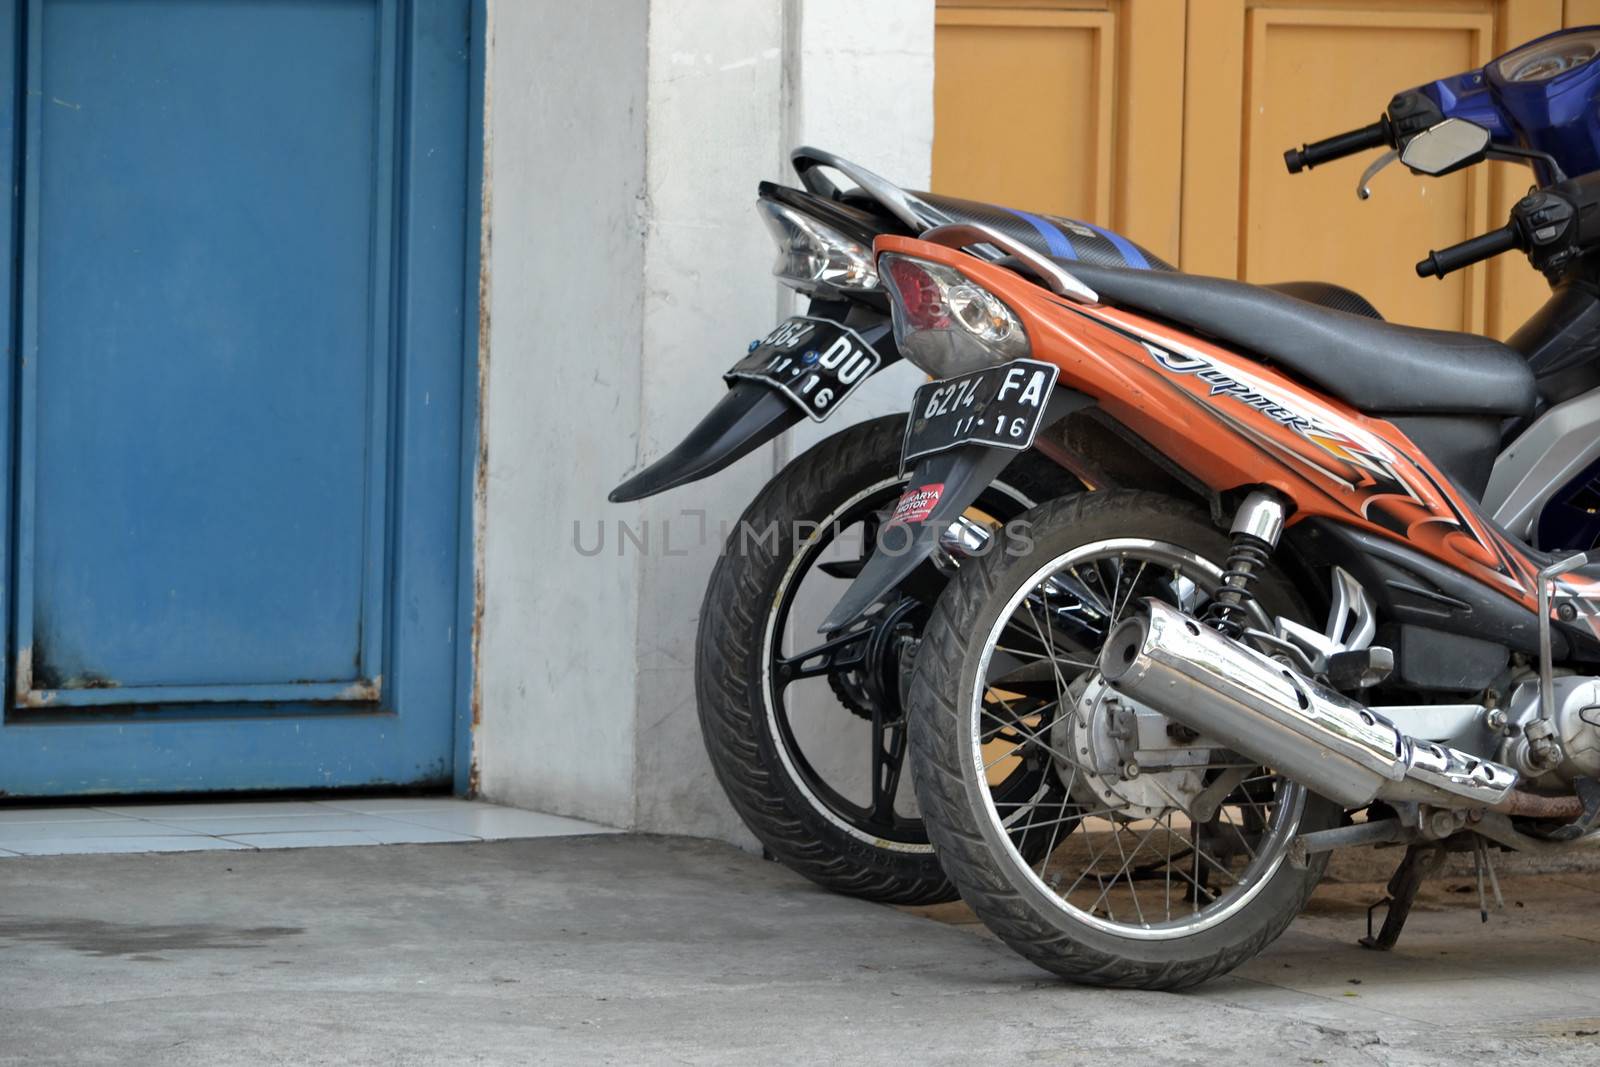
{"type": "Point", "coordinates": [813, 255]}
{"type": "Point", "coordinates": [916, 294]}
{"type": "Point", "coordinates": [944, 322]}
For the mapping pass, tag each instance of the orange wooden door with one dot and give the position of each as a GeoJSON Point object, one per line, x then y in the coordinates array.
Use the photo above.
{"type": "Point", "coordinates": [1067, 108]}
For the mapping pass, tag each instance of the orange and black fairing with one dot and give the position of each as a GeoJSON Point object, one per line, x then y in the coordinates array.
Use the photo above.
{"type": "Point", "coordinates": [1231, 421]}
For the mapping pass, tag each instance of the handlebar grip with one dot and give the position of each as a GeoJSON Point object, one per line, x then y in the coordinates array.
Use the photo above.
{"type": "Point", "coordinates": [1345, 144]}
{"type": "Point", "coordinates": [1468, 252]}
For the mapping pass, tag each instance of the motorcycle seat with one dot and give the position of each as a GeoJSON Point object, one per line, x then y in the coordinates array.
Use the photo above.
{"type": "Point", "coordinates": [1374, 366]}
{"type": "Point", "coordinates": [1327, 295]}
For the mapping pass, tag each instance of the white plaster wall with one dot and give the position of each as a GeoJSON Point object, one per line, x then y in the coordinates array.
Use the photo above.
{"type": "Point", "coordinates": [627, 270]}
{"type": "Point", "coordinates": [566, 163]}
{"type": "Point", "coordinates": [713, 132]}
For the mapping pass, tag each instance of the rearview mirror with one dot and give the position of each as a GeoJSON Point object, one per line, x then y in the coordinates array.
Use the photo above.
{"type": "Point", "coordinates": [1446, 146]}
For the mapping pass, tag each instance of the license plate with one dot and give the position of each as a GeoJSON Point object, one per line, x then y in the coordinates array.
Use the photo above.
{"type": "Point", "coordinates": [814, 362]}
{"type": "Point", "coordinates": [1000, 407]}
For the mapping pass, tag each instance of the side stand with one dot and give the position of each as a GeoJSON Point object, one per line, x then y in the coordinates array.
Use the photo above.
{"type": "Point", "coordinates": [1420, 863]}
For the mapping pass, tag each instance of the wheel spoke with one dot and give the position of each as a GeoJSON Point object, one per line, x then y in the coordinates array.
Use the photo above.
{"type": "Point", "coordinates": [1029, 735]}
{"type": "Point", "coordinates": [1039, 679]}
{"type": "Point", "coordinates": [1040, 824]}
{"type": "Point", "coordinates": [1222, 868]}
{"type": "Point", "coordinates": [1048, 643]}
{"type": "Point", "coordinates": [1127, 859]}
{"type": "Point", "coordinates": [1087, 591]}
{"type": "Point", "coordinates": [1223, 811]}
{"type": "Point", "coordinates": [1087, 870]}
{"type": "Point", "coordinates": [1170, 836]}
{"type": "Point", "coordinates": [832, 656]}
{"type": "Point", "coordinates": [888, 760]}
{"type": "Point", "coordinates": [1044, 861]}
{"type": "Point", "coordinates": [1116, 612]}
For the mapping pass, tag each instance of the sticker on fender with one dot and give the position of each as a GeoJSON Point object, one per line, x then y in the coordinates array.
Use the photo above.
{"type": "Point", "coordinates": [1000, 407]}
{"type": "Point", "coordinates": [917, 504]}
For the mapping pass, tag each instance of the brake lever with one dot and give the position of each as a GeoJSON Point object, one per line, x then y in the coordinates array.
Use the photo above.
{"type": "Point", "coordinates": [1362, 190]}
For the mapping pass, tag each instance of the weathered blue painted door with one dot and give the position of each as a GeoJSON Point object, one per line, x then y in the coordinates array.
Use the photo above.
{"type": "Point", "coordinates": [238, 323]}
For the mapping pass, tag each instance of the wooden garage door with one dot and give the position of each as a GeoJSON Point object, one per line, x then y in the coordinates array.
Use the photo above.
{"type": "Point", "coordinates": [1167, 120]}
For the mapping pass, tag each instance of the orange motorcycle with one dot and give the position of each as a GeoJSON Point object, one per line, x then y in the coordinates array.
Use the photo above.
{"type": "Point", "coordinates": [1312, 635]}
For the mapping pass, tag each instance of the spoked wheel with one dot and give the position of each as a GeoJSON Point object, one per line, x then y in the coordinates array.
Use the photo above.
{"type": "Point", "coordinates": [1168, 862]}
{"type": "Point", "coordinates": [808, 735]}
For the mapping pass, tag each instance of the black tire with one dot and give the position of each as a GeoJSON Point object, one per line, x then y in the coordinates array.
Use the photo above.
{"type": "Point", "coordinates": [945, 670]}
{"type": "Point", "coordinates": [792, 821]}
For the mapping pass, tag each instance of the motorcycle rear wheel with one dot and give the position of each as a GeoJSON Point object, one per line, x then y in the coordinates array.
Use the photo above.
{"type": "Point", "coordinates": [756, 721]}
{"type": "Point", "coordinates": [1130, 891]}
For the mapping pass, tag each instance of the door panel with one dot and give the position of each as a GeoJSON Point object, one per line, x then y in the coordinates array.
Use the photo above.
{"type": "Point", "coordinates": [1039, 79]}
{"type": "Point", "coordinates": [1298, 88]}
{"type": "Point", "coordinates": [239, 411]}
{"type": "Point", "coordinates": [204, 408]}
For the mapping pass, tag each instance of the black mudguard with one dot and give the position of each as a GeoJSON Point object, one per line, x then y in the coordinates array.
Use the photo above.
{"type": "Point", "coordinates": [748, 416]}
{"type": "Point", "coordinates": [963, 473]}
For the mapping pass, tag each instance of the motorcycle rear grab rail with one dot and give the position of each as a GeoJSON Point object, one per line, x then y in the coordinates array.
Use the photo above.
{"type": "Point", "coordinates": [909, 210]}
{"type": "Point", "coordinates": [1059, 281]}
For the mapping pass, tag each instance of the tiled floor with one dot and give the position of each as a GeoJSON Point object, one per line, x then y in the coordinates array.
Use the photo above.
{"type": "Point", "coordinates": [271, 824]}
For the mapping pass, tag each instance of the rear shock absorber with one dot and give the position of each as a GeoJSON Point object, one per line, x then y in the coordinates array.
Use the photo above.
{"type": "Point", "coordinates": [1256, 527]}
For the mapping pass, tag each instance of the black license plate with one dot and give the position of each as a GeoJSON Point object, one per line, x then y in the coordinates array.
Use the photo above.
{"type": "Point", "coordinates": [814, 362]}
{"type": "Point", "coordinates": [998, 406]}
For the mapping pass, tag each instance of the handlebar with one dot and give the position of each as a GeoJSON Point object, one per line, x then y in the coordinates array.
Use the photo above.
{"type": "Point", "coordinates": [1473, 250]}
{"type": "Point", "coordinates": [1337, 147]}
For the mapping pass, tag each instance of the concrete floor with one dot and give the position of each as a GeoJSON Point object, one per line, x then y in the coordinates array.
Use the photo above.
{"type": "Point", "coordinates": [646, 950]}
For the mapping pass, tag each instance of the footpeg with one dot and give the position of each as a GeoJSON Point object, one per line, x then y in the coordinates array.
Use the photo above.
{"type": "Point", "coordinates": [1362, 669]}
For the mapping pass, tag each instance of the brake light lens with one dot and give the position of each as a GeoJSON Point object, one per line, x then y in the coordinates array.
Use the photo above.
{"type": "Point", "coordinates": [944, 322]}
{"type": "Point", "coordinates": [916, 295]}
{"type": "Point", "coordinates": [814, 256]}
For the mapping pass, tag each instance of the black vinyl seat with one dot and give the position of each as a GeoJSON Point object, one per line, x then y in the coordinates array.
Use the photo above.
{"type": "Point", "coordinates": [1328, 295]}
{"type": "Point", "coordinates": [1373, 365]}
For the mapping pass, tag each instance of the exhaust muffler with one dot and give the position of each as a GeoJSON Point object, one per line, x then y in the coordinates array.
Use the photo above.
{"type": "Point", "coordinates": [1330, 744]}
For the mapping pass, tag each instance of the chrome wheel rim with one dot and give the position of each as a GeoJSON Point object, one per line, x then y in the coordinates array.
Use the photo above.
{"type": "Point", "coordinates": [1122, 856]}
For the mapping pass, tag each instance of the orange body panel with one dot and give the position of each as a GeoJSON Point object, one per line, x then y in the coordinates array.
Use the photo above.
{"type": "Point", "coordinates": [1231, 421]}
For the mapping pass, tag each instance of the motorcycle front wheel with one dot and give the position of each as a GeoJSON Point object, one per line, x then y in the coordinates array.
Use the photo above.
{"type": "Point", "coordinates": [1157, 876]}
{"type": "Point", "coordinates": [807, 736]}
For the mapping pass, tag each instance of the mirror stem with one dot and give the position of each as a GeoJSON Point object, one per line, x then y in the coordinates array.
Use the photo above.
{"type": "Point", "coordinates": [1512, 153]}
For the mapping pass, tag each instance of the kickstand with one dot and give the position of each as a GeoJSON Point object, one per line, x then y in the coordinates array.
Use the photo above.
{"type": "Point", "coordinates": [1421, 861]}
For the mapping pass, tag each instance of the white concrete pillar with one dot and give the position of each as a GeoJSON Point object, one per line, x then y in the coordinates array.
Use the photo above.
{"type": "Point", "coordinates": [565, 192]}
{"type": "Point", "coordinates": [627, 271]}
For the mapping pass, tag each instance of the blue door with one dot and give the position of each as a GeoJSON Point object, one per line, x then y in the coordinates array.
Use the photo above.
{"type": "Point", "coordinates": [239, 315]}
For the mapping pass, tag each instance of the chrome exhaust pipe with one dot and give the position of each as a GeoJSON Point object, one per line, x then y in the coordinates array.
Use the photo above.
{"type": "Point", "coordinates": [1262, 709]}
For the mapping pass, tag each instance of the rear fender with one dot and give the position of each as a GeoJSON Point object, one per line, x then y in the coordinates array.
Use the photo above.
{"type": "Point", "coordinates": [942, 487]}
{"type": "Point", "coordinates": [748, 416]}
